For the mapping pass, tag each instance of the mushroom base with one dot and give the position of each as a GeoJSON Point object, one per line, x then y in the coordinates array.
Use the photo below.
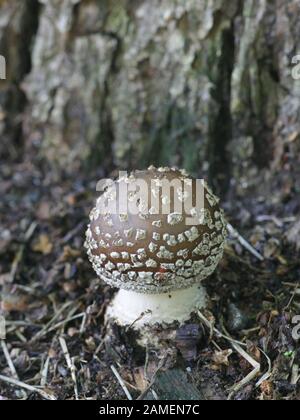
{"type": "Point", "coordinates": [138, 309]}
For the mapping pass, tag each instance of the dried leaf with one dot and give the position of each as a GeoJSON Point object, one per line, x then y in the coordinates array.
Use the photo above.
{"type": "Point", "coordinates": [221, 358]}
{"type": "Point", "coordinates": [13, 302]}
{"type": "Point", "coordinates": [43, 245]}
{"type": "Point", "coordinates": [70, 253]}
{"type": "Point", "coordinates": [267, 388]}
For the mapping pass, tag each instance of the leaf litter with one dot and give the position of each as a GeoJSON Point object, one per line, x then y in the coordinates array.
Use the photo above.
{"type": "Point", "coordinates": [56, 346]}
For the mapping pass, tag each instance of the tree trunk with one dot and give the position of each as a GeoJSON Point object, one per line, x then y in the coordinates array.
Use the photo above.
{"type": "Point", "coordinates": [18, 24]}
{"type": "Point", "coordinates": [204, 85]}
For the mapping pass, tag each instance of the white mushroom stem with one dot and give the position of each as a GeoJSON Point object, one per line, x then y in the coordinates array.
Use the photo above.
{"type": "Point", "coordinates": [139, 309]}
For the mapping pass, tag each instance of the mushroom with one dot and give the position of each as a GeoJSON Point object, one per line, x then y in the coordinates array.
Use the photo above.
{"type": "Point", "coordinates": [156, 256]}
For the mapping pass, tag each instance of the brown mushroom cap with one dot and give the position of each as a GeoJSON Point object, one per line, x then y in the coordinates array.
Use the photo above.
{"type": "Point", "coordinates": [156, 253]}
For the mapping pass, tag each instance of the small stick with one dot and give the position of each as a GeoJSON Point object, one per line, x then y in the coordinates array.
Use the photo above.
{"type": "Point", "coordinates": [70, 364]}
{"type": "Point", "coordinates": [152, 380]}
{"type": "Point", "coordinates": [19, 256]}
{"type": "Point", "coordinates": [21, 324]}
{"type": "Point", "coordinates": [154, 395]}
{"type": "Point", "coordinates": [251, 376]}
{"type": "Point", "coordinates": [291, 285]}
{"type": "Point", "coordinates": [44, 330]}
{"type": "Point", "coordinates": [234, 233]}
{"type": "Point", "coordinates": [254, 363]}
{"type": "Point", "coordinates": [237, 346]}
{"type": "Point", "coordinates": [99, 348]}
{"type": "Point", "coordinates": [82, 326]}
{"type": "Point", "coordinates": [273, 219]}
{"type": "Point", "coordinates": [30, 231]}
{"type": "Point", "coordinates": [8, 360]}
{"type": "Point", "coordinates": [295, 374]}
{"type": "Point", "coordinates": [292, 297]}
{"type": "Point", "coordinates": [30, 388]}
{"type": "Point", "coordinates": [138, 319]}
{"type": "Point", "coordinates": [146, 365]}
{"type": "Point", "coordinates": [121, 382]}
{"type": "Point", "coordinates": [16, 262]}
{"type": "Point", "coordinates": [216, 331]}
{"type": "Point", "coordinates": [44, 373]}
{"type": "Point", "coordinates": [250, 330]}
{"type": "Point", "coordinates": [65, 321]}
{"type": "Point", "coordinates": [21, 336]}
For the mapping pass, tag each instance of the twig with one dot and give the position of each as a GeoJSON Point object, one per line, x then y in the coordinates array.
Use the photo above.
{"type": "Point", "coordinates": [291, 285]}
{"type": "Point", "coordinates": [152, 381]}
{"type": "Point", "coordinates": [250, 330]}
{"type": "Point", "coordinates": [21, 336]}
{"type": "Point", "coordinates": [237, 346]}
{"type": "Point", "coordinates": [8, 360]}
{"type": "Point", "coordinates": [16, 262]}
{"type": "Point", "coordinates": [145, 392]}
{"type": "Point", "coordinates": [19, 256]}
{"type": "Point", "coordinates": [251, 376]}
{"type": "Point", "coordinates": [21, 324]}
{"type": "Point", "coordinates": [154, 395]}
{"type": "Point", "coordinates": [121, 382]}
{"type": "Point", "coordinates": [44, 330]}
{"type": "Point", "coordinates": [30, 231]}
{"type": "Point", "coordinates": [65, 321]}
{"type": "Point", "coordinates": [216, 345]}
{"type": "Point", "coordinates": [70, 364]}
{"type": "Point", "coordinates": [235, 234]}
{"type": "Point", "coordinates": [44, 373]}
{"type": "Point", "coordinates": [82, 326]}
{"type": "Point", "coordinates": [216, 331]}
{"type": "Point", "coordinates": [254, 363]}
{"type": "Point", "coordinates": [146, 365]}
{"type": "Point", "coordinates": [295, 374]}
{"type": "Point", "coordinates": [100, 346]}
{"type": "Point", "coordinates": [143, 314]}
{"type": "Point", "coordinates": [265, 218]}
{"type": "Point", "coordinates": [267, 375]}
{"type": "Point", "coordinates": [292, 297]}
{"type": "Point", "coordinates": [30, 388]}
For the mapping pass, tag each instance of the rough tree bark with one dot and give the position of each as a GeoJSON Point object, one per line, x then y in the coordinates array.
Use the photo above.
{"type": "Point", "coordinates": [18, 24]}
{"type": "Point", "coordinates": [203, 84]}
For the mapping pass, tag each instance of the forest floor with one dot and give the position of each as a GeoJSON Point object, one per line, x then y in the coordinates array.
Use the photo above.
{"type": "Point", "coordinates": [54, 306]}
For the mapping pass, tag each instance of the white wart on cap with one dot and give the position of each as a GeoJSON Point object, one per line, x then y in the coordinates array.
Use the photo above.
{"type": "Point", "coordinates": [151, 256]}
